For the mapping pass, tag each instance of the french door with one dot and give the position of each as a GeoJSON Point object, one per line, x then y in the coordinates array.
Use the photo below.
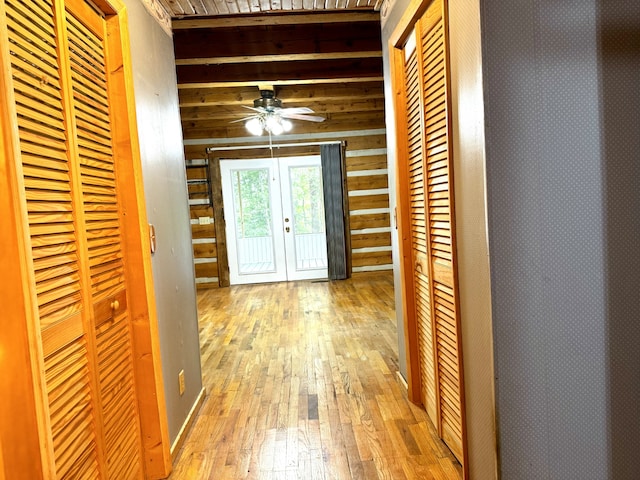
{"type": "Point", "coordinates": [274, 212]}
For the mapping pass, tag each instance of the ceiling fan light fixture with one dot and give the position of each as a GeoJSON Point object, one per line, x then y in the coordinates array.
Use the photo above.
{"type": "Point", "coordinates": [269, 115]}
{"type": "Point", "coordinates": [274, 124]}
{"type": "Point", "coordinates": [254, 126]}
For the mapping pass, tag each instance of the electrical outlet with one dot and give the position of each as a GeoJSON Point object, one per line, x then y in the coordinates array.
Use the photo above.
{"type": "Point", "coordinates": [181, 382]}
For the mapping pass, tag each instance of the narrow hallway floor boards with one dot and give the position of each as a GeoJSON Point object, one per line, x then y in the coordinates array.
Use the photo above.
{"type": "Point", "coordinates": [301, 384]}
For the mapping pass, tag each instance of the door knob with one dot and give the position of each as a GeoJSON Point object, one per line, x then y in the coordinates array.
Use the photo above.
{"type": "Point", "coordinates": [115, 305]}
{"type": "Point", "coordinates": [287, 229]}
{"type": "Point", "coordinates": [286, 220]}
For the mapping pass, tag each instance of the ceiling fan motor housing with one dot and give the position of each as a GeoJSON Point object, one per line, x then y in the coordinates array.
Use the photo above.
{"type": "Point", "coordinates": [267, 100]}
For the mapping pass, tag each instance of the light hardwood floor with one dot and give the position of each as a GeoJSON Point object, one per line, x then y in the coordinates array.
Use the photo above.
{"type": "Point", "coordinates": [302, 384]}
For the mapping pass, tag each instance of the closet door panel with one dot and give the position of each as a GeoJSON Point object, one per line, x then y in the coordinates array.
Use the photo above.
{"type": "Point", "coordinates": [51, 198]}
{"type": "Point", "coordinates": [418, 228]}
{"type": "Point", "coordinates": [98, 175]}
{"type": "Point", "coordinates": [441, 231]}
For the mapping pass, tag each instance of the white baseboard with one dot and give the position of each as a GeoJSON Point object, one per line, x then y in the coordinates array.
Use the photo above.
{"type": "Point", "coordinates": [186, 426]}
{"type": "Point", "coordinates": [402, 380]}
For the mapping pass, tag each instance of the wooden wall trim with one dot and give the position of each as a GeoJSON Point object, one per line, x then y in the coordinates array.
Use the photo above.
{"type": "Point", "coordinates": [146, 342]}
{"type": "Point", "coordinates": [404, 230]}
{"type": "Point", "coordinates": [219, 221]}
{"type": "Point", "coordinates": [454, 251]}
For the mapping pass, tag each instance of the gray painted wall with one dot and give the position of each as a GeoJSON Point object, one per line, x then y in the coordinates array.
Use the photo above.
{"type": "Point", "coordinates": [166, 197]}
{"type": "Point", "coordinates": [562, 104]}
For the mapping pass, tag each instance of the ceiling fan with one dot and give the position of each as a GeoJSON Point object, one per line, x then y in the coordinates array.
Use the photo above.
{"type": "Point", "coordinates": [271, 117]}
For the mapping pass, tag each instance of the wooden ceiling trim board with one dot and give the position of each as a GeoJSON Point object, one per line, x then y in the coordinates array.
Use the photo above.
{"type": "Point", "coordinates": [338, 70]}
{"type": "Point", "coordinates": [183, 86]}
{"type": "Point", "coordinates": [290, 19]}
{"type": "Point", "coordinates": [278, 58]}
{"type": "Point", "coordinates": [226, 131]}
{"type": "Point", "coordinates": [235, 111]}
{"type": "Point", "coordinates": [286, 93]}
{"type": "Point", "coordinates": [278, 40]}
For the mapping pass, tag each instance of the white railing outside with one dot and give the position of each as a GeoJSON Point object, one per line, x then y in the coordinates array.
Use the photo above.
{"type": "Point", "coordinates": [311, 251]}
{"type": "Point", "coordinates": [256, 254]}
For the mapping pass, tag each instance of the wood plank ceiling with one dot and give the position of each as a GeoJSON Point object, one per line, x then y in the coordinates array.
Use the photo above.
{"type": "Point", "coordinates": [330, 62]}
{"type": "Point", "coordinates": [199, 8]}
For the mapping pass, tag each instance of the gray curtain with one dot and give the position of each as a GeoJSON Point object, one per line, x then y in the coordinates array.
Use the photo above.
{"type": "Point", "coordinates": [334, 210]}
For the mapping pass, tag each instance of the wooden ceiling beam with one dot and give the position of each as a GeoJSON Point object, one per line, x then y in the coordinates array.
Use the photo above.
{"type": "Point", "coordinates": [291, 19]}
{"type": "Point", "coordinates": [281, 81]}
{"type": "Point", "coordinates": [229, 112]}
{"type": "Point", "coordinates": [281, 40]}
{"type": "Point", "coordinates": [277, 58]}
{"type": "Point", "coordinates": [272, 73]}
{"type": "Point", "coordinates": [287, 93]}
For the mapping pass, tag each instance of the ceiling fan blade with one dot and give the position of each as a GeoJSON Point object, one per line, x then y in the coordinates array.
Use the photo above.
{"type": "Point", "coordinates": [310, 118]}
{"type": "Point", "coordinates": [244, 119]}
{"type": "Point", "coordinates": [294, 111]}
{"type": "Point", "coordinates": [259, 109]}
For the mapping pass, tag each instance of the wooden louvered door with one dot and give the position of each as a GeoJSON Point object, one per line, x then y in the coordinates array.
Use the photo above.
{"type": "Point", "coordinates": [441, 232]}
{"type": "Point", "coordinates": [427, 219]}
{"type": "Point", "coordinates": [418, 237]}
{"type": "Point", "coordinates": [56, 243]}
{"type": "Point", "coordinates": [86, 31]}
{"type": "Point", "coordinates": [66, 164]}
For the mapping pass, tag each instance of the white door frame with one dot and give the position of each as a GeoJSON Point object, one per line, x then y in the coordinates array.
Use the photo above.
{"type": "Point", "coordinates": [284, 251]}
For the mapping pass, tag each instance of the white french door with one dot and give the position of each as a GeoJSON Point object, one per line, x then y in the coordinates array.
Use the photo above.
{"type": "Point", "coordinates": [274, 212]}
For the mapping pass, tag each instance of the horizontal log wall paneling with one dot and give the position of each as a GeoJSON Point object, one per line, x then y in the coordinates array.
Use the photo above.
{"type": "Point", "coordinates": [331, 67]}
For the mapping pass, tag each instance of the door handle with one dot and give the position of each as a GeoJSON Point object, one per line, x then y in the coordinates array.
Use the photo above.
{"type": "Point", "coordinates": [287, 229]}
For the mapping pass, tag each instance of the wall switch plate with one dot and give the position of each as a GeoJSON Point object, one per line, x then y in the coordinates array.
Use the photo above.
{"type": "Point", "coordinates": [181, 382]}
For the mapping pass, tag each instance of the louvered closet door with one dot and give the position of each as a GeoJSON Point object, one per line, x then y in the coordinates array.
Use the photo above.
{"type": "Point", "coordinates": [57, 263]}
{"type": "Point", "coordinates": [418, 227]}
{"type": "Point", "coordinates": [61, 99]}
{"type": "Point", "coordinates": [428, 214]}
{"type": "Point", "coordinates": [441, 231]}
{"type": "Point", "coordinates": [90, 98]}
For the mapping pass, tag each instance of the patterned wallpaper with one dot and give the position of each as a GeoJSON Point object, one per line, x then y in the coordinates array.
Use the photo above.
{"type": "Point", "coordinates": [563, 187]}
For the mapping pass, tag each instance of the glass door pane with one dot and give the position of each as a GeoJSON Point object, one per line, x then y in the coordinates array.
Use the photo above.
{"type": "Point", "coordinates": [254, 234]}
{"type": "Point", "coordinates": [252, 208]}
{"type": "Point", "coordinates": [303, 211]}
